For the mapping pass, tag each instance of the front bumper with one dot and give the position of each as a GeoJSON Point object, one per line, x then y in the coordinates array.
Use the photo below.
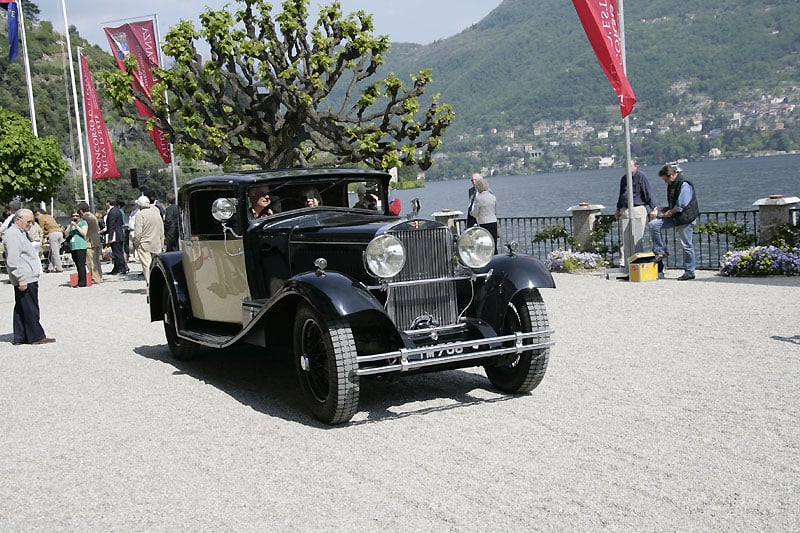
{"type": "Point", "coordinates": [406, 359]}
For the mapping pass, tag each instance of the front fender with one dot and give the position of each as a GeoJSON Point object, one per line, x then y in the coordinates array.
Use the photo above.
{"type": "Point", "coordinates": [333, 294]}
{"type": "Point", "coordinates": [508, 275]}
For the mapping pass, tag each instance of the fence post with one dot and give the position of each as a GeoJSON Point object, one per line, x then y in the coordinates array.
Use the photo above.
{"type": "Point", "coordinates": [583, 217]}
{"type": "Point", "coordinates": [772, 212]}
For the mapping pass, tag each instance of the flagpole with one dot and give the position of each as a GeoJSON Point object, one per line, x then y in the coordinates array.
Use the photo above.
{"type": "Point", "coordinates": [86, 196]}
{"type": "Point", "coordinates": [27, 63]}
{"type": "Point", "coordinates": [628, 177]}
{"type": "Point", "coordinates": [83, 108]}
{"type": "Point", "coordinates": [166, 101]}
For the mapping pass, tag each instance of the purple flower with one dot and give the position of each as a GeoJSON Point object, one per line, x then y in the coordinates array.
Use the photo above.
{"type": "Point", "coordinates": [761, 261]}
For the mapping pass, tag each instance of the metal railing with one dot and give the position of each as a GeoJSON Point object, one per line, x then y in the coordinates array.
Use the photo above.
{"type": "Point", "coordinates": [711, 248]}
{"type": "Point", "coordinates": [539, 236]}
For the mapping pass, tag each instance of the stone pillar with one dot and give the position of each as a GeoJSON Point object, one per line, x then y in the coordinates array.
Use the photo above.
{"type": "Point", "coordinates": [583, 217]}
{"type": "Point", "coordinates": [773, 212]}
{"type": "Point", "coordinates": [446, 216]}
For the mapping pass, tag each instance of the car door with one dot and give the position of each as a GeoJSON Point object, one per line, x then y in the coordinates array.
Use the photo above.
{"type": "Point", "coordinates": [213, 260]}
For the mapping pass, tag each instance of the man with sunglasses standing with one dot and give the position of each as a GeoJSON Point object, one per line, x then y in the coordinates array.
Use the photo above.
{"type": "Point", "coordinates": [24, 268]}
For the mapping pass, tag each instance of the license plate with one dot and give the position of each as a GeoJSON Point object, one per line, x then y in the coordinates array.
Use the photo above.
{"type": "Point", "coordinates": [437, 353]}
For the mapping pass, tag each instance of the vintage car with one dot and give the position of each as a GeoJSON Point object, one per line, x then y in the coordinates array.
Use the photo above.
{"type": "Point", "coordinates": [352, 290]}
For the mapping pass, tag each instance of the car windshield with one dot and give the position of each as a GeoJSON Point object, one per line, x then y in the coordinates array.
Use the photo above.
{"type": "Point", "coordinates": [265, 199]}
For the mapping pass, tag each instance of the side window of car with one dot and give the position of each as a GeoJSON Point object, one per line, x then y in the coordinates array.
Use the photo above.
{"type": "Point", "coordinates": [201, 224]}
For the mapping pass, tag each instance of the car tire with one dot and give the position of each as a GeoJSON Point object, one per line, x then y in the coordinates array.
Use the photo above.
{"type": "Point", "coordinates": [325, 360]}
{"type": "Point", "coordinates": [180, 349]}
{"type": "Point", "coordinates": [526, 312]}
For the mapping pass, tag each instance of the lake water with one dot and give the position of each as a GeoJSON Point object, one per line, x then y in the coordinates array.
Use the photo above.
{"type": "Point", "coordinates": [722, 185]}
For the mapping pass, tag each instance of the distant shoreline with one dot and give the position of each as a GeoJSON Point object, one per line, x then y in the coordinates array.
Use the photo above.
{"type": "Point", "coordinates": [528, 172]}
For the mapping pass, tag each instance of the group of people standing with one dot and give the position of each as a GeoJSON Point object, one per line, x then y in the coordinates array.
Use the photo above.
{"type": "Point", "coordinates": [85, 244]}
{"type": "Point", "coordinates": [680, 213]}
{"type": "Point", "coordinates": [150, 228]}
{"type": "Point", "coordinates": [22, 230]}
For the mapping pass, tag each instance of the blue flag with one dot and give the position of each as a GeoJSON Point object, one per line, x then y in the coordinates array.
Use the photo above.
{"type": "Point", "coordinates": [13, 28]}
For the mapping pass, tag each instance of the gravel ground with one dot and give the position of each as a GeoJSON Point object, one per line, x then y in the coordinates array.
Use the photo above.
{"type": "Point", "coordinates": [667, 406]}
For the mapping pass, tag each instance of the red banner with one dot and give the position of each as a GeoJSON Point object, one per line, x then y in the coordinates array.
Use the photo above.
{"type": "Point", "coordinates": [139, 39]}
{"type": "Point", "coordinates": [103, 163]}
{"type": "Point", "coordinates": [599, 19]}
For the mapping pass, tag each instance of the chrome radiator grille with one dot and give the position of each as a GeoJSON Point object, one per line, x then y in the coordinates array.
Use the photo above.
{"type": "Point", "coordinates": [429, 256]}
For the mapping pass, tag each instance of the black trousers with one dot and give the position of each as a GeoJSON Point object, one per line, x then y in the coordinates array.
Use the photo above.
{"type": "Point", "coordinates": [117, 257]}
{"type": "Point", "coordinates": [27, 328]}
{"type": "Point", "coordinates": [79, 258]}
{"type": "Point", "coordinates": [491, 227]}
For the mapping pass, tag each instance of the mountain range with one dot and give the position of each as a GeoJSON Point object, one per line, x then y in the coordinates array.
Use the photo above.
{"type": "Point", "coordinates": [527, 61]}
{"type": "Point", "coordinates": [530, 59]}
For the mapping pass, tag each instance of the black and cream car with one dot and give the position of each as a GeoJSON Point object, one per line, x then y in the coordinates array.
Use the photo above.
{"type": "Point", "coordinates": [355, 291]}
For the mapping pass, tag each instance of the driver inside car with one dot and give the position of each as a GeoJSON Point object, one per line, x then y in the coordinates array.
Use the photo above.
{"type": "Point", "coordinates": [260, 202]}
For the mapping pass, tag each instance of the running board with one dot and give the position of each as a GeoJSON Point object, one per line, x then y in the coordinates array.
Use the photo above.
{"type": "Point", "coordinates": [250, 310]}
{"type": "Point", "coordinates": [212, 340]}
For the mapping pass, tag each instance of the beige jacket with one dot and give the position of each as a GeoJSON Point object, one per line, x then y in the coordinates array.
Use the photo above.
{"type": "Point", "coordinates": [148, 230]}
{"type": "Point", "coordinates": [93, 233]}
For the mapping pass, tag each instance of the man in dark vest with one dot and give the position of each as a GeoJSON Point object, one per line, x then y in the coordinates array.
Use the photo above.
{"type": "Point", "coordinates": [680, 214]}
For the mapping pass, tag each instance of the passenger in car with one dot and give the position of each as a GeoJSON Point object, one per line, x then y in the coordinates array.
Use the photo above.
{"type": "Point", "coordinates": [365, 200]}
{"type": "Point", "coordinates": [260, 202]}
{"type": "Point", "coordinates": [311, 198]}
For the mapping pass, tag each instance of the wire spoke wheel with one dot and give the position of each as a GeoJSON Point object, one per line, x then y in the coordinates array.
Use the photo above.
{"type": "Point", "coordinates": [325, 360]}
{"type": "Point", "coordinates": [526, 312]}
{"type": "Point", "coordinates": [315, 353]}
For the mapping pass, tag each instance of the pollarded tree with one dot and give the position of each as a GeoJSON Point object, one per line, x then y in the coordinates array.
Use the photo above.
{"type": "Point", "coordinates": [30, 167]}
{"type": "Point", "coordinates": [279, 94]}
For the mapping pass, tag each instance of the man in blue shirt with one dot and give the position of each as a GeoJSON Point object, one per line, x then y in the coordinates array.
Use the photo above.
{"type": "Point", "coordinates": [680, 214]}
{"type": "Point", "coordinates": [644, 204]}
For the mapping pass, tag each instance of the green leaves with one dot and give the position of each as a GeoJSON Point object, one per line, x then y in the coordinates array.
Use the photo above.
{"type": "Point", "coordinates": [30, 167]}
{"type": "Point", "coordinates": [277, 92]}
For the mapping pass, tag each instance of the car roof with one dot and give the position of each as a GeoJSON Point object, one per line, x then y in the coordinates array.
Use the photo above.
{"type": "Point", "coordinates": [256, 176]}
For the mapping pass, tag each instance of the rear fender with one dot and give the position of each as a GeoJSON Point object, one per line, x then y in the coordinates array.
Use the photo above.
{"type": "Point", "coordinates": [167, 272]}
{"type": "Point", "coordinates": [508, 276]}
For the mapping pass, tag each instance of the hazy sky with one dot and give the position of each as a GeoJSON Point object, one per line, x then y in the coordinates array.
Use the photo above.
{"type": "Point", "coordinates": [418, 21]}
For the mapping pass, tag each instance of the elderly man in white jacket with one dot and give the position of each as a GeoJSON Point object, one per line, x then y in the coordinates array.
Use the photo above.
{"type": "Point", "coordinates": [24, 268]}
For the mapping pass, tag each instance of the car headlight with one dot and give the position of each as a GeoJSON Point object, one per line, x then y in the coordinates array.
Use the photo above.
{"type": "Point", "coordinates": [475, 247]}
{"type": "Point", "coordinates": [223, 209]}
{"type": "Point", "coordinates": [385, 256]}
